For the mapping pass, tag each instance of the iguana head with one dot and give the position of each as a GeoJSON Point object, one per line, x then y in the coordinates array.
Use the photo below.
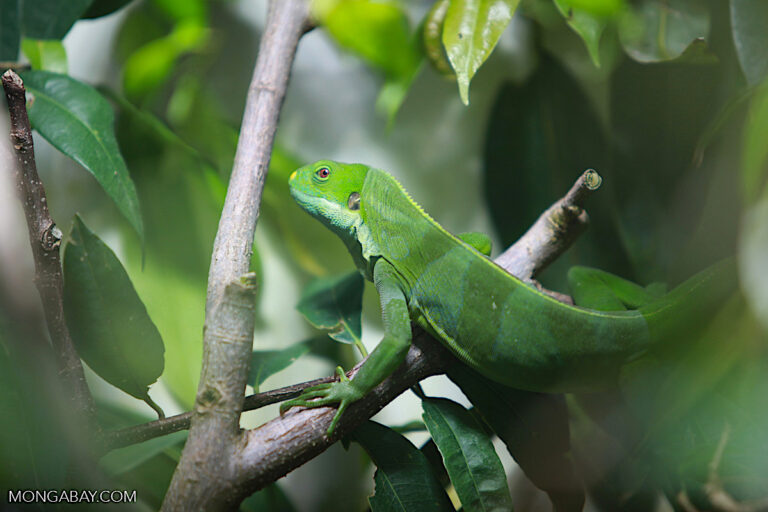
{"type": "Point", "coordinates": [330, 191]}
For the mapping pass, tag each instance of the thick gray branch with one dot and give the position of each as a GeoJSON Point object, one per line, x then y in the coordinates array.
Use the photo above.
{"type": "Point", "coordinates": [45, 239]}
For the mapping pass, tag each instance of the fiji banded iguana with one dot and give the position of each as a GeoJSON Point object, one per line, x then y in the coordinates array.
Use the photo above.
{"type": "Point", "coordinates": [504, 328]}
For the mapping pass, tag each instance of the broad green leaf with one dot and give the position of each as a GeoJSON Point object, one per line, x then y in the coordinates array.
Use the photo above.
{"type": "Point", "coordinates": [9, 30]}
{"type": "Point", "coordinates": [108, 322]}
{"type": "Point", "coordinates": [666, 30]}
{"type": "Point", "coordinates": [128, 458]}
{"type": "Point", "coordinates": [101, 8]}
{"type": "Point", "coordinates": [470, 32]}
{"type": "Point", "coordinates": [469, 457]}
{"type": "Point", "coordinates": [404, 478]}
{"type": "Point", "coordinates": [752, 255]}
{"type": "Point", "coordinates": [601, 8]}
{"type": "Point", "coordinates": [749, 19]}
{"type": "Point", "coordinates": [587, 25]}
{"type": "Point", "coordinates": [78, 121]}
{"type": "Point", "coordinates": [50, 19]}
{"type": "Point", "coordinates": [48, 55]}
{"type": "Point", "coordinates": [754, 157]}
{"type": "Point", "coordinates": [335, 304]}
{"type": "Point", "coordinates": [265, 363]}
{"type": "Point", "coordinates": [535, 429]}
{"type": "Point", "coordinates": [376, 31]}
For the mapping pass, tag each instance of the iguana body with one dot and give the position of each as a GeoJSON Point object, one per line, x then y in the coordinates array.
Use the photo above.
{"type": "Point", "coordinates": [507, 330]}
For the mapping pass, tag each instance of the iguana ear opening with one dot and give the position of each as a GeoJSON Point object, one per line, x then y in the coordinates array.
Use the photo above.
{"type": "Point", "coordinates": [353, 203]}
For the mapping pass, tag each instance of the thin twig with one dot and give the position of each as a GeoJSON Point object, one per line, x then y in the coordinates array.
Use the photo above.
{"type": "Point", "coordinates": [45, 239]}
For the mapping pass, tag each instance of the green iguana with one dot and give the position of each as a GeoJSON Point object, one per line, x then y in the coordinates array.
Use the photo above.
{"type": "Point", "coordinates": [504, 328]}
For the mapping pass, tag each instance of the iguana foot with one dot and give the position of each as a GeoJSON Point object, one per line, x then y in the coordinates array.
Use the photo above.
{"type": "Point", "coordinates": [323, 395]}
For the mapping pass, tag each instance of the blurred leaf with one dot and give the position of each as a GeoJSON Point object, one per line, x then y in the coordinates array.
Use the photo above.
{"type": "Point", "coordinates": [472, 463]}
{"type": "Point", "coordinates": [392, 95]}
{"type": "Point", "coordinates": [470, 32]}
{"type": "Point", "coordinates": [601, 8]}
{"type": "Point", "coordinates": [128, 458]}
{"type": "Point", "coordinates": [375, 30]}
{"type": "Point", "coordinates": [78, 121]}
{"type": "Point", "coordinates": [587, 25]}
{"type": "Point", "coordinates": [149, 66]}
{"type": "Point", "coordinates": [666, 30]}
{"type": "Point", "coordinates": [534, 427]}
{"type": "Point", "coordinates": [152, 477]}
{"type": "Point", "coordinates": [50, 19]}
{"type": "Point", "coordinates": [749, 19]}
{"type": "Point", "coordinates": [335, 304]}
{"type": "Point", "coordinates": [101, 8]}
{"type": "Point", "coordinates": [9, 30]}
{"type": "Point", "coordinates": [48, 55]}
{"type": "Point", "coordinates": [108, 322]}
{"type": "Point", "coordinates": [191, 10]}
{"type": "Point", "coordinates": [753, 248]}
{"type": "Point", "coordinates": [432, 38]}
{"type": "Point", "coordinates": [754, 157]}
{"type": "Point", "coordinates": [404, 478]}
{"type": "Point", "coordinates": [270, 498]}
{"type": "Point", "coordinates": [265, 363]}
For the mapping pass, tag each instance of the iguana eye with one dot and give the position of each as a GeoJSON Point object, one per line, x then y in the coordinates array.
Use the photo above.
{"type": "Point", "coordinates": [323, 173]}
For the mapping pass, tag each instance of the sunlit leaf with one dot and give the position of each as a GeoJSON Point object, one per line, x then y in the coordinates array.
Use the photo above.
{"type": "Point", "coordinates": [48, 55]}
{"type": "Point", "coordinates": [754, 159]}
{"type": "Point", "coordinates": [108, 322]}
{"type": "Point", "coordinates": [78, 121]}
{"type": "Point", "coordinates": [472, 463]}
{"type": "Point", "coordinates": [50, 19]}
{"type": "Point", "coordinates": [587, 25]}
{"type": "Point", "coordinates": [265, 363]}
{"type": "Point", "coordinates": [749, 19]}
{"type": "Point", "coordinates": [752, 256]}
{"type": "Point", "coordinates": [470, 32]}
{"type": "Point", "coordinates": [404, 478]}
{"type": "Point", "coordinates": [663, 31]}
{"type": "Point", "coordinates": [335, 304]}
{"type": "Point", "coordinates": [9, 30]}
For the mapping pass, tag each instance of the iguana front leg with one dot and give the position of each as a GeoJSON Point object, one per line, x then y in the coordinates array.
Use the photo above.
{"type": "Point", "coordinates": [385, 358]}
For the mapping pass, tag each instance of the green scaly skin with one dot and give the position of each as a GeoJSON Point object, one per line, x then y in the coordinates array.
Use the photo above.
{"type": "Point", "coordinates": [494, 322]}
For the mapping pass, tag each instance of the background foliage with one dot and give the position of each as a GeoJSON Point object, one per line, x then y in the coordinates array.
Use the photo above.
{"type": "Point", "coordinates": [486, 110]}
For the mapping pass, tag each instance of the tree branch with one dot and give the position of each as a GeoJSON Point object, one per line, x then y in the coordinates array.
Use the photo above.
{"type": "Point", "coordinates": [45, 239]}
{"type": "Point", "coordinates": [203, 480]}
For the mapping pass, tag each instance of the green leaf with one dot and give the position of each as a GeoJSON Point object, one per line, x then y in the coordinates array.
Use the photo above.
{"type": "Point", "coordinates": [128, 458]}
{"type": "Point", "coordinates": [666, 30]}
{"type": "Point", "coordinates": [470, 459]}
{"type": "Point", "coordinates": [586, 24]}
{"type": "Point", "coordinates": [375, 30]}
{"type": "Point", "coordinates": [753, 247]}
{"type": "Point", "coordinates": [749, 19]}
{"type": "Point", "coordinates": [535, 429]}
{"type": "Point", "coordinates": [470, 32]}
{"type": "Point", "coordinates": [404, 478]}
{"type": "Point", "coordinates": [335, 304]}
{"type": "Point", "coordinates": [265, 363]}
{"type": "Point", "coordinates": [48, 55]}
{"type": "Point", "coordinates": [101, 8]}
{"type": "Point", "coordinates": [108, 322]}
{"type": "Point", "coordinates": [50, 19]}
{"type": "Point", "coordinates": [9, 30]}
{"type": "Point", "coordinates": [754, 156]}
{"type": "Point", "coordinates": [78, 121]}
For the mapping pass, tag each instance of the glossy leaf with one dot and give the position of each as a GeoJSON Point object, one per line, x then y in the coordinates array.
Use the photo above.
{"type": "Point", "coordinates": [101, 8]}
{"type": "Point", "coordinates": [586, 24]}
{"type": "Point", "coordinates": [335, 304]}
{"type": "Point", "coordinates": [535, 429]}
{"type": "Point", "coordinates": [265, 363]}
{"type": "Point", "coordinates": [468, 454]}
{"type": "Point", "coordinates": [9, 30]}
{"type": "Point", "coordinates": [404, 478]}
{"type": "Point", "coordinates": [663, 31]}
{"type": "Point", "coordinates": [78, 121]}
{"type": "Point", "coordinates": [749, 19]}
{"type": "Point", "coordinates": [50, 19]}
{"type": "Point", "coordinates": [754, 159]}
{"type": "Point", "coordinates": [470, 32]}
{"type": "Point", "coordinates": [108, 322]}
{"type": "Point", "coordinates": [48, 55]}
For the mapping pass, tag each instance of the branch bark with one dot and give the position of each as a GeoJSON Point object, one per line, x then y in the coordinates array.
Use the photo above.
{"type": "Point", "coordinates": [45, 239]}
